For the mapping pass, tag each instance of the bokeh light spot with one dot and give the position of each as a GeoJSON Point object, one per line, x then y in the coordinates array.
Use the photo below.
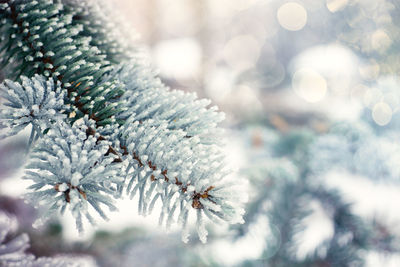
{"type": "Point", "coordinates": [371, 97]}
{"type": "Point", "coordinates": [219, 83]}
{"type": "Point", "coordinates": [178, 58]}
{"type": "Point", "coordinates": [336, 63]}
{"type": "Point", "coordinates": [336, 5]}
{"type": "Point", "coordinates": [242, 52]}
{"type": "Point", "coordinates": [382, 113]}
{"type": "Point", "coordinates": [292, 16]}
{"type": "Point", "coordinates": [380, 40]}
{"type": "Point", "coordinates": [309, 85]}
{"type": "Point", "coordinates": [369, 71]}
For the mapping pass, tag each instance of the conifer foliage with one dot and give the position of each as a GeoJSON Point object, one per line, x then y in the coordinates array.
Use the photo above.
{"type": "Point", "coordinates": [13, 249]}
{"type": "Point", "coordinates": [103, 123]}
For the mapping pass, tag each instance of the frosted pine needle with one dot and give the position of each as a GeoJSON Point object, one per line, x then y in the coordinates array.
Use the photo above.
{"type": "Point", "coordinates": [70, 167]}
{"type": "Point", "coordinates": [38, 102]}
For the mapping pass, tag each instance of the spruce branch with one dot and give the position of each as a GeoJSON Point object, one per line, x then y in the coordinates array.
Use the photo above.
{"type": "Point", "coordinates": [13, 249]}
{"type": "Point", "coordinates": [121, 115]}
{"type": "Point", "coordinates": [179, 171]}
{"type": "Point", "coordinates": [148, 98]}
{"type": "Point", "coordinates": [105, 27]}
{"type": "Point", "coordinates": [41, 39]}
{"type": "Point", "coordinates": [75, 169]}
{"type": "Point", "coordinates": [37, 102]}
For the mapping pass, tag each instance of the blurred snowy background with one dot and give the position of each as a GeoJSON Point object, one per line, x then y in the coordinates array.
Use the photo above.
{"type": "Point", "coordinates": [311, 91]}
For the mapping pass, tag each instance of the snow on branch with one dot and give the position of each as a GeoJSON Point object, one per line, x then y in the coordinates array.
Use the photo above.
{"type": "Point", "coordinates": [38, 102]}
{"type": "Point", "coordinates": [70, 167]}
{"type": "Point", "coordinates": [105, 123]}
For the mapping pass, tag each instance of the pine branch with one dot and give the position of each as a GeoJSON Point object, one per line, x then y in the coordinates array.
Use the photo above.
{"type": "Point", "coordinates": [168, 139]}
{"type": "Point", "coordinates": [43, 40]}
{"type": "Point", "coordinates": [37, 102]}
{"type": "Point", "coordinates": [78, 170]}
{"type": "Point", "coordinates": [157, 175]}
{"type": "Point", "coordinates": [104, 25]}
{"type": "Point", "coordinates": [148, 98]}
{"type": "Point", "coordinates": [13, 250]}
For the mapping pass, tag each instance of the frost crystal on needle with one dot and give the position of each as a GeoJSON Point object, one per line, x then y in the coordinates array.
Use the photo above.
{"type": "Point", "coordinates": [71, 167]}
{"type": "Point", "coordinates": [37, 101]}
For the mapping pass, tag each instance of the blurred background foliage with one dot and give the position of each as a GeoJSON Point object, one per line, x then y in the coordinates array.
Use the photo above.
{"type": "Point", "coordinates": [311, 93]}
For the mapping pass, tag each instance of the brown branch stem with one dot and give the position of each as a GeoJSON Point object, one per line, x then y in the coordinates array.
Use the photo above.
{"type": "Point", "coordinates": [183, 187]}
{"type": "Point", "coordinates": [66, 192]}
